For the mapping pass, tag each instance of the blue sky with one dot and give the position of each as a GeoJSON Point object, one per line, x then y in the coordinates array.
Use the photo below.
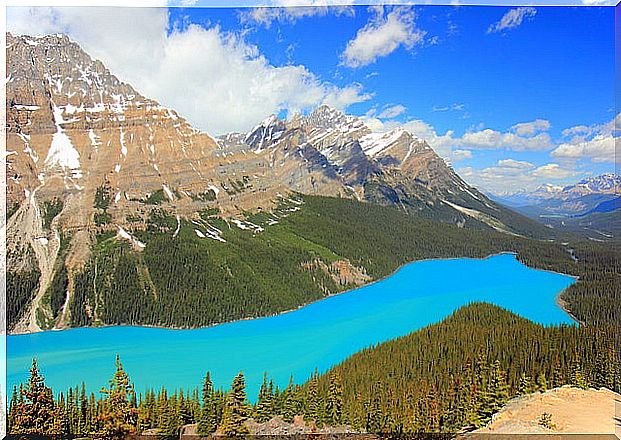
{"type": "Point", "coordinates": [512, 96]}
{"type": "Point", "coordinates": [557, 66]}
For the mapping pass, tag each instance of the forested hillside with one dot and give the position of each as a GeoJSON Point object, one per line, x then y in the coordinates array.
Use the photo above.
{"type": "Point", "coordinates": [457, 373]}
{"type": "Point", "coordinates": [210, 270]}
{"type": "Point", "coordinates": [446, 377]}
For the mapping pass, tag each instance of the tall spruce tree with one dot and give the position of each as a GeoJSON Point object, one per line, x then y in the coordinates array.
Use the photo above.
{"type": "Point", "coordinates": [119, 417]}
{"type": "Point", "coordinates": [334, 400]}
{"type": "Point", "coordinates": [236, 409]}
{"type": "Point", "coordinates": [264, 408]}
{"type": "Point", "coordinates": [12, 408]}
{"type": "Point", "coordinates": [578, 379]}
{"type": "Point", "coordinates": [525, 385]}
{"type": "Point", "coordinates": [314, 410]}
{"type": "Point", "coordinates": [208, 422]}
{"type": "Point", "coordinates": [36, 412]}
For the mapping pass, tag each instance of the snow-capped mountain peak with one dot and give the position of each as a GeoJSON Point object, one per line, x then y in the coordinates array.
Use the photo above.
{"type": "Point", "coordinates": [265, 133]}
{"type": "Point", "coordinates": [607, 182]}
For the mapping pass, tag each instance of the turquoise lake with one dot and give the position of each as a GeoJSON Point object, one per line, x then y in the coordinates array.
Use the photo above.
{"type": "Point", "coordinates": [295, 343]}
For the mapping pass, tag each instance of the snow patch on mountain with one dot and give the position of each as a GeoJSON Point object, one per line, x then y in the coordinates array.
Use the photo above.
{"type": "Point", "coordinates": [62, 151]}
{"type": "Point", "coordinates": [375, 143]}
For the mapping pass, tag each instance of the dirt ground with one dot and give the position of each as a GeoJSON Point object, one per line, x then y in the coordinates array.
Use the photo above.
{"type": "Point", "coordinates": [570, 411]}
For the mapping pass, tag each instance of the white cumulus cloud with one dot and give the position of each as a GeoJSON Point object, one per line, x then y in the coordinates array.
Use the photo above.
{"type": "Point", "coordinates": [600, 148]}
{"type": "Point", "coordinates": [493, 140]}
{"type": "Point", "coordinates": [552, 171]}
{"type": "Point", "coordinates": [512, 19]}
{"type": "Point", "coordinates": [531, 128]}
{"type": "Point", "coordinates": [510, 175]}
{"type": "Point", "coordinates": [215, 79]}
{"type": "Point", "coordinates": [517, 164]}
{"type": "Point", "coordinates": [392, 111]}
{"type": "Point", "coordinates": [599, 143]}
{"type": "Point", "coordinates": [381, 36]}
{"type": "Point", "coordinates": [292, 11]}
{"type": "Point", "coordinates": [457, 155]}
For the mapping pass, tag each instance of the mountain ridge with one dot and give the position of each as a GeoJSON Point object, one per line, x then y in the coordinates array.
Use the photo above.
{"type": "Point", "coordinates": [118, 163]}
{"type": "Point", "coordinates": [606, 183]}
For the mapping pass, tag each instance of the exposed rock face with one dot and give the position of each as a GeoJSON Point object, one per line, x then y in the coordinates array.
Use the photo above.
{"type": "Point", "coordinates": [85, 152]}
{"type": "Point", "coordinates": [342, 272]}
{"type": "Point", "coordinates": [73, 127]}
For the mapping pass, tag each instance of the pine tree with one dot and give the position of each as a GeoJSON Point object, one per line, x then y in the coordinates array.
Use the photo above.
{"type": "Point", "coordinates": [63, 416]}
{"type": "Point", "coordinates": [169, 417]}
{"type": "Point", "coordinates": [236, 410]}
{"type": "Point", "coordinates": [375, 419]}
{"type": "Point", "coordinates": [577, 376]}
{"type": "Point", "coordinates": [289, 406]}
{"type": "Point", "coordinates": [185, 410]}
{"type": "Point", "coordinates": [119, 417]}
{"type": "Point", "coordinates": [557, 378]}
{"type": "Point", "coordinates": [495, 392]}
{"type": "Point", "coordinates": [147, 413]}
{"type": "Point", "coordinates": [91, 415]}
{"type": "Point", "coordinates": [82, 423]}
{"type": "Point", "coordinates": [208, 420]}
{"type": "Point", "coordinates": [541, 382]}
{"type": "Point", "coordinates": [498, 386]}
{"type": "Point", "coordinates": [525, 385]}
{"type": "Point", "coordinates": [334, 401]}
{"type": "Point", "coordinates": [13, 403]}
{"type": "Point", "coordinates": [35, 412]}
{"type": "Point", "coordinates": [195, 405]}
{"type": "Point", "coordinates": [265, 403]}
{"type": "Point", "coordinates": [314, 410]}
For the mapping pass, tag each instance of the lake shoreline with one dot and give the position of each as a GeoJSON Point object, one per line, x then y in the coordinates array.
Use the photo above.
{"type": "Point", "coordinates": [316, 337]}
{"type": "Point", "coordinates": [559, 301]}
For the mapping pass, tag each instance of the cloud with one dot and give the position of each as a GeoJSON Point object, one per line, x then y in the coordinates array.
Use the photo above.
{"type": "Point", "coordinates": [446, 108]}
{"type": "Point", "coordinates": [597, 143]}
{"type": "Point", "coordinates": [443, 144]}
{"type": "Point", "coordinates": [512, 19]}
{"type": "Point", "coordinates": [531, 128]}
{"type": "Point", "coordinates": [457, 155]}
{"type": "Point", "coordinates": [516, 164]}
{"type": "Point", "coordinates": [552, 171]}
{"type": "Point", "coordinates": [494, 140]}
{"type": "Point", "coordinates": [215, 79]}
{"type": "Point", "coordinates": [381, 36]}
{"type": "Point", "coordinates": [510, 175]}
{"type": "Point", "coordinates": [392, 111]}
{"type": "Point", "coordinates": [480, 139]}
{"type": "Point", "coordinates": [598, 149]}
{"type": "Point", "coordinates": [292, 11]}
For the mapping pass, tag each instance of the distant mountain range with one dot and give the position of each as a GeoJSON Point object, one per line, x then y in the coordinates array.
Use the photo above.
{"type": "Point", "coordinates": [589, 207]}
{"type": "Point", "coordinates": [606, 184]}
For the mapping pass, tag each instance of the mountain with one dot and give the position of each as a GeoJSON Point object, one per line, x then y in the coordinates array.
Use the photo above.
{"type": "Point", "coordinates": [568, 200]}
{"type": "Point", "coordinates": [525, 198]}
{"type": "Point", "coordinates": [95, 170]}
{"type": "Point", "coordinates": [589, 207]}
{"type": "Point", "coordinates": [607, 183]}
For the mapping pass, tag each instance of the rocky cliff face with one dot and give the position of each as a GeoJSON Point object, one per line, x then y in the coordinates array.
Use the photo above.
{"type": "Point", "coordinates": [87, 153]}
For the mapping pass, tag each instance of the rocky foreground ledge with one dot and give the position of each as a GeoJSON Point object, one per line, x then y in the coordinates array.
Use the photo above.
{"type": "Point", "coordinates": [564, 410]}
